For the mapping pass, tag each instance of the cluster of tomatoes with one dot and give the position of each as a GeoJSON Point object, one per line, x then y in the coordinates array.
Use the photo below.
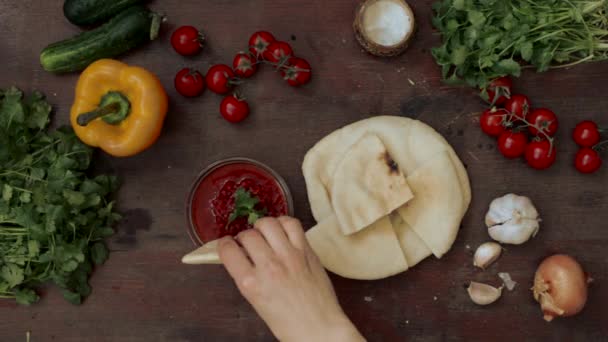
{"type": "Point", "coordinates": [520, 130]}
{"type": "Point", "coordinates": [587, 135]}
{"type": "Point", "coordinates": [222, 79]}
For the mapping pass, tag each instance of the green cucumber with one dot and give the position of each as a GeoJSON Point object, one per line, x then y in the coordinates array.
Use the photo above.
{"type": "Point", "coordinates": [92, 12]}
{"type": "Point", "coordinates": [129, 29]}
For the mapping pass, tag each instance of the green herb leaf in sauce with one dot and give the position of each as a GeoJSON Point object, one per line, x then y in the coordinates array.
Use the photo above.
{"type": "Point", "coordinates": [244, 206]}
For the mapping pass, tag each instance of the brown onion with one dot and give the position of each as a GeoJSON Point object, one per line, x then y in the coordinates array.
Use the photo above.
{"type": "Point", "coordinates": [560, 286]}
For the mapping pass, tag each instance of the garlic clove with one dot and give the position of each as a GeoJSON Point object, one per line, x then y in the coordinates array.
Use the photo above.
{"type": "Point", "coordinates": [514, 232]}
{"type": "Point", "coordinates": [486, 254]}
{"type": "Point", "coordinates": [483, 294]}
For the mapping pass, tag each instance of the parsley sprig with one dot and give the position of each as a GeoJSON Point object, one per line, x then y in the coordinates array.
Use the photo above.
{"type": "Point", "coordinates": [244, 206]}
{"type": "Point", "coordinates": [53, 217]}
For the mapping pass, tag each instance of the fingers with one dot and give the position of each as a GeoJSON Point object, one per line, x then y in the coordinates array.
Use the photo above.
{"type": "Point", "coordinates": [275, 235]}
{"type": "Point", "coordinates": [293, 230]}
{"type": "Point", "coordinates": [234, 259]}
{"type": "Point", "coordinates": [256, 246]}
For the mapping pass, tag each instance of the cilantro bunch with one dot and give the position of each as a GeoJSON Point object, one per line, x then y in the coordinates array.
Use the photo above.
{"type": "Point", "coordinates": [485, 39]}
{"type": "Point", "coordinates": [53, 216]}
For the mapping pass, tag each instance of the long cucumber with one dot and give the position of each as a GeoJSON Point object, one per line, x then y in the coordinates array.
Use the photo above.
{"type": "Point", "coordinates": [129, 29]}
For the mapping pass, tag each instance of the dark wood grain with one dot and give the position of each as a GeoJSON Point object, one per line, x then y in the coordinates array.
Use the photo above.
{"type": "Point", "coordinates": [143, 293]}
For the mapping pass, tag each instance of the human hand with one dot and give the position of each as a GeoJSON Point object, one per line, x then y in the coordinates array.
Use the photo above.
{"type": "Point", "coordinates": [282, 278]}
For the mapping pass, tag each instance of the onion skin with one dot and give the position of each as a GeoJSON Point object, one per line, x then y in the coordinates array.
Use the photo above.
{"type": "Point", "coordinates": [560, 286]}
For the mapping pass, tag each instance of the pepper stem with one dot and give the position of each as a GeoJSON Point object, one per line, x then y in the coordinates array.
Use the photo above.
{"type": "Point", "coordinates": [113, 108]}
{"type": "Point", "coordinates": [86, 118]}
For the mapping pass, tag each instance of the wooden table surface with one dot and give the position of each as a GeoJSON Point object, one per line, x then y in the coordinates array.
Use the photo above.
{"type": "Point", "coordinates": [143, 293]}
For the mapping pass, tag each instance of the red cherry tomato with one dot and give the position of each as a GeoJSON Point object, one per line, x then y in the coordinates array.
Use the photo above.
{"type": "Point", "coordinates": [586, 134]}
{"type": "Point", "coordinates": [512, 144]}
{"type": "Point", "coordinates": [544, 119]}
{"type": "Point", "coordinates": [499, 90]}
{"type": "Point", "coordinates": [258, 43]}
{"type": "Point", "coordinates": [244, 65]}
{"type": "Point", "coordinates": [587, 160]}
{"type": "Point", "coordinates": [540, 154]}
{"type": "Point", "coordinates": [220, 79]}
{"type": "Point", "coordinates": [518, 105]}
{"type": "Point", "coordinates": [187, 40]}
{"type": "Point", "coordinates": [189, 82]}
{"type": "Point", "coordinates": [278, 52]}
{"type": "Point", "coordinates": [297, 72]}
{"type": "Point", "coordinates": [234, 109]}
{"type": "Point", "coordinates": [492, 121]}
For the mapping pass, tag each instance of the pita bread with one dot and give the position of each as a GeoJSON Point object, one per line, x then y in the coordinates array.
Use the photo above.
{"type": "Point", "coordinates": [413, 247]}
{"type": "Point", "coordinates": [410, 142]}
{"type": "Point", "coordinates": [436, 210]}
{"type": "Point", "coordinates": [413, 145]}
{"type": "Point", "coordinates": [371, 253]}
{"type": "Point", "coordinates": [206, 254]}
{"type": "Point", "coordinates": [368, 185]}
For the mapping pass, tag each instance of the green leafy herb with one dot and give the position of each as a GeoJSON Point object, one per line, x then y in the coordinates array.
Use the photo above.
{"type": "Point", "coordinates": [487, 39]}
{"type": "Point", "coordinates": [53, 217]}
{"type": "Point", "coordinates": [244, 206]}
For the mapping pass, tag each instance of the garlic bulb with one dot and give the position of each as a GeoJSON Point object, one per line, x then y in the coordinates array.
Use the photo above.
{"type": "Point", "coordinates": [512, 219]}
{"type": "Point", "coordinates": [486, 254]}
{"type": "Point", "coordinates": [483, 294]}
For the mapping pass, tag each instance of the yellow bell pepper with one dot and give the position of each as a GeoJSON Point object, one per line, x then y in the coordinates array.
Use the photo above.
{"type": "Point", "coordinates": [118, 108]}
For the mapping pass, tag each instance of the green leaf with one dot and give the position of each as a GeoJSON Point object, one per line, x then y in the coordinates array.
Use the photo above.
{"type": "Point", "coordinates": [459, 56]}
{"type": "Point", "coordinates": [7, 192]}
{"type": "Point", "coordinates": [74, 198]}
{"type": "Point", "coordinates": [69, 266]}
{"type": "Point", "coordinates": [526, 51]}
{"type": "Point", "coordinates": [12, 274]}
{"type": "Point", "coordinates": [458, 4]}
{"type": "Point", "coordinates": [99, 253]}
{"type": "Point", "coordinates": [33, 248]}
{"type": "Point", "coordinates": [38, 111]}
{"type": "Point", "coordinates": [476, 18]}
{"type": "Point", "coordinates": [26, 296]}
{"type": "Point", "coordinates": [508, 66]}
{"type": "Point", "coordinates": [72, 297]}
{"type": "Point", "coordinates": [25, 197]}
{"type": "Point", "coordinates": [244, 206]}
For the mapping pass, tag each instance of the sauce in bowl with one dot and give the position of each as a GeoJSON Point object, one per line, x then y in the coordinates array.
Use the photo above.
{"type": "Point", "coordinates": [212, 199]}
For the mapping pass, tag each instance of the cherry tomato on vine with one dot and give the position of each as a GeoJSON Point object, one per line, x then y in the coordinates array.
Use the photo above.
{"type": "Point", "coordinates": [189, 82]}
{"type": "Point", "coordinates": [512, 144]}
{"type": "Point", "coordinates": [187, 40]}
{"type": "Point", "coordinates": [586, 134]}
{"type": "Point", "coordinates": [587, 160]}
{"type": "Point", "coordinates": [220, 79]}
{"type": "Point", "coordinates": [244, 64]}
{"type": "Point", "coordinates": [493, 121]}
{"type": "Point", "coordinates": [297, 72]}
{"type": "Point", "coordinates": [518, 105]}
{"type": "Point", "coordinates": [278, 52]}
{"type": "Point", "coordinates": [499, 90]}
{"type": "Point", "coordinates": [544, 119]}
{"type": "Point", "coordinates": [258, 43]}
{"type": "Point", "coordinates": [234, 109]}
{"type": "Point", "coordinates": [540, 154]}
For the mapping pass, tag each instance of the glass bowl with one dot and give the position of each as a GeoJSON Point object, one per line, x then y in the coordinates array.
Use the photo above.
{"type": "Point", "coordinates": [192, 231]}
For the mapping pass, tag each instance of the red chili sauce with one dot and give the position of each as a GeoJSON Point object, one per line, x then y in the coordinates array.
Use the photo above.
{"type": "Point", "coordinates": [213, 199]}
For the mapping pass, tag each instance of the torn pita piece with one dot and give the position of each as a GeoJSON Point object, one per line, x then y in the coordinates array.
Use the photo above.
{"type": "Point", "coordinates": [368, 185]}
{"type": "Point", "coordinates": [206, 254]}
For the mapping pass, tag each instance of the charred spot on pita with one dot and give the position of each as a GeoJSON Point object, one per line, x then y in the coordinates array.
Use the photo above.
{"type": "Point", "coordinates": [390, 162]}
